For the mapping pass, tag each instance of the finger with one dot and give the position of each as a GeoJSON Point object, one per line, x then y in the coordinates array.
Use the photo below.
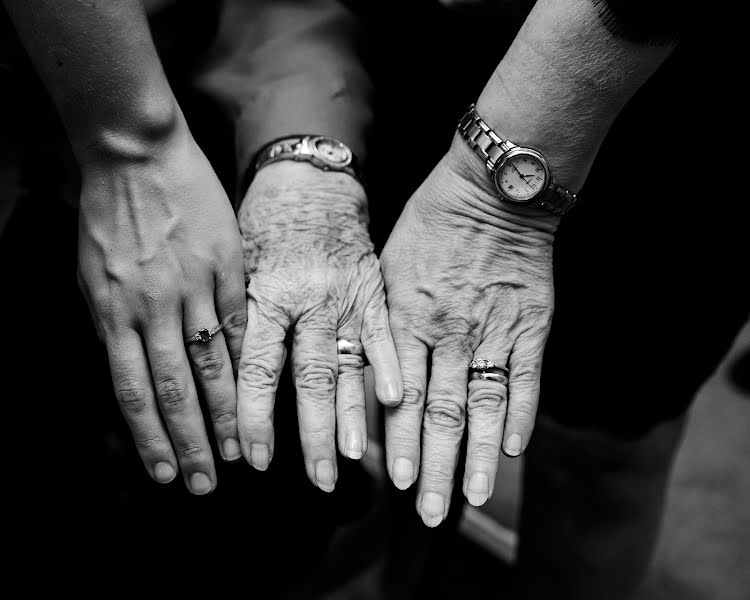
{"type": "Point", "coordinates": [351, 424]}
{"type": "Point", "coordinates": [135, 395]}
{"type": "Point", "coordinates": [315, 368]}
{"type": "Point", "coordinates": [381, 351]}
{"type": "Point", "coordinates": [442, 430]}
{"type": "Point", "coordinates": [178, 402]}
{"type": "Point", "coordinates": [213, 373]}
{"type": "Point", "coordinates": [261, 363]}
{"type": "Point", "coordinates": [486, 408]}
{"type": "Point", "coordinates": [523, 389]}
{"type": "Point", "coordinates": [231, 306]}
{"type": "Point", "coordinates": [403, 423]}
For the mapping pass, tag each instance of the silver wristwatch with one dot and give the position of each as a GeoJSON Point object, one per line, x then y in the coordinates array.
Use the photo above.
{"type": "Point", "coordinates": [521, 175]}
{"type": "Point", "coordinates": [324, 152]}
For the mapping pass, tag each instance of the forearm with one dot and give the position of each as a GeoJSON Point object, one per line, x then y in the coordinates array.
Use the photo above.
{"type": "Point", "coordinates": [100, 66]}
{"type": "Point", "coordinates": [562, 83]}
{"type": "Point", "coordinates": [288, 67]}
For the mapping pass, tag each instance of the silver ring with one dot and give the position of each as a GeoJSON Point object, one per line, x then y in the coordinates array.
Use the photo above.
{"type": "Point", "coordinates": [348, 347]}
{"type": "Point", "coordinates": [497, 377]}
{"type": "Point", "coordinates": [483, 365]}
{"type": "Point", "coordinates": [204, 335]}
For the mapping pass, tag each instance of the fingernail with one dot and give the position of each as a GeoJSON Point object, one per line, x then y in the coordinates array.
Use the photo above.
{"type": "Point", "coordinates": [231, 449]}
{"type": "Point", "coordinates": [478, 489]}
{"type": "Point", "coordinates": [259, 456]}
{"type": "Point", "coordinates": [200, 483]}
{"type": "Point", "coordinates": [164, 472]}
{"type": "Point", "coordinates": [403, 473]}
{"type": "Point", "coordinates": [392, 393]}
{"type": "Point", "coordinates": [432, 509]}
{"type": "Point", "coordinates": [324, 475]}
{"type": "Point", "coordinates": [513, 445]}
{"type": "Point", "coordinates": [354, 447]}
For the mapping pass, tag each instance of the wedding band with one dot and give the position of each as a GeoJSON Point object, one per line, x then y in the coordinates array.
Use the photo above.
{"type": "Point", "coordinates": [347, 347]}
{"type": "Point", "coordinates": [497, 377]}
{"type": "Point", "coordinates": [204, 335]}
{"type": "Point", "coordinates": [483, 365]}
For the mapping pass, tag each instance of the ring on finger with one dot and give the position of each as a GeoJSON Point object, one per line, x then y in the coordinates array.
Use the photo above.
{"type": "Point", "coordinates": [344, 347]}
{"type": "Point", "coordinates": [483, 365]}
{"type": "Point", "coordinates": [490, 376]}
{"type": "Point", "coordinates": [205, 334]}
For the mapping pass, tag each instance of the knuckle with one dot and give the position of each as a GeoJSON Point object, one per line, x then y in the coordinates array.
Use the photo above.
{"type": "Point", "coordinates": [484, 450]}
{"type": "Point", "coordinates": [351, 364]}
{"type": "Point", "coordinates": [224, 418]}
{"type": "Point", "coordinates": [522, 412]}
{"type": "Point", "coordinates": [150, 443]}
{"type": "Point", "coordinates": [235, 323]}
{"type": "Point", "coordinates": [193, 452]}
{"type": "Point", "coordinates": [444, 414]}
{"type": "Point", "coordinates": [376, 333]}
{"type": "Point", "coordinates": [255, 371]}
{"type": "Point", "coordinates": [208, 364]}
{"type": "Point", "coordinates": [353, 411]}
{"type": "Point", "coordinates": [413, 396]}
{"type": "Point", "coordinates": [317, 379]}
{"type": "Point", "coordinates": [133, 398]}
{"type": "Point", "coordinates": [486, 401]}
{"type": "Point", "coordinates": [172, 394]}
{"type": "Point", "coordinates": [438, 469]}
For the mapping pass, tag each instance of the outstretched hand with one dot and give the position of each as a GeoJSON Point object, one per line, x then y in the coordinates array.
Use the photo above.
{"type": "Point", "coordinates": [466, 278]}
{"type": "Point", "coordinates": [312, 275]}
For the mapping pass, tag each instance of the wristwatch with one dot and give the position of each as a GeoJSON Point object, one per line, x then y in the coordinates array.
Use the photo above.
{"type": "Point", "coordinates": [521, 175]}
{"type": "Point", "coordinates": [324, 152]}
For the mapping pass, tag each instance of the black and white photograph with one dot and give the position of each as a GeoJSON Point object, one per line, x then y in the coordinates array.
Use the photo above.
{"type": "Point", "coordinates": [374, 300]}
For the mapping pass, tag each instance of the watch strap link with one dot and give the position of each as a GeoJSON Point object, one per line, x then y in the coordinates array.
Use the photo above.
{"type": "Point", "coordinates": [487, 144]}
{"type": "Point", "coordinates": [481, 139]}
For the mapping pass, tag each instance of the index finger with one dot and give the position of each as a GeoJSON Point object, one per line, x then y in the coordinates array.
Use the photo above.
{"type": "Point", "coordinates": [261, 362]}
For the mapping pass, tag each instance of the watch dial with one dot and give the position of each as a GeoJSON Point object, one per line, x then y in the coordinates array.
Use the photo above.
{"type": "Point", "coordinates": [521, 177]}
{"type": "Point", "coordinates": [333, 151]}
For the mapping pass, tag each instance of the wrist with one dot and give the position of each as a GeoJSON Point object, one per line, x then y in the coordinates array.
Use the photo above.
{"type": "Point", "coordinates": [140, 134]}
{"type": "Point", "coordinates": [297, 195]}
{"type": "Point", "coordinates": [478, 192]}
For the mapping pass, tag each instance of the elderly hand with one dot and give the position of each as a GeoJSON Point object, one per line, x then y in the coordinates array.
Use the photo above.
{"type": "Point", "coordinates": [466, 277]}
{"type": "Point", "coordinates": [311, 271]}
{"type": "Point", "coordinates": [160, 257]}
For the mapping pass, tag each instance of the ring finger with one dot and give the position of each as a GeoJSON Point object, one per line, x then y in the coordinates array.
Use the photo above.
{"type": "Point", "coordinates": [351, 425]}
{"type": "Point", "coordinates": [178, 401]}
{"type": "Point", "coordinates": [213, 370]}
{"type": "Point", "coordinates": [486, 407]}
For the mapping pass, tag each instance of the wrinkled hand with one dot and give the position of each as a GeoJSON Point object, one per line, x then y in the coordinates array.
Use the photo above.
{"type": "Point", "coordinates": [160, 257]}
{"type": "Point", "coordinates": [466, 278]}
{"type": "Point", "coordinates": [312, 272]}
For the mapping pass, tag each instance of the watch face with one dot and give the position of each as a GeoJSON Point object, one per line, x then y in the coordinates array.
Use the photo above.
{"type": "Point", "coordinates": [332, 151]}
{"type": "Point", "coordinates": [522, 175]}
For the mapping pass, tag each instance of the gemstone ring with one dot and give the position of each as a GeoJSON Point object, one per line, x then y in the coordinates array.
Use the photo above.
{"type": "Point", "coordinates": [204, 335]}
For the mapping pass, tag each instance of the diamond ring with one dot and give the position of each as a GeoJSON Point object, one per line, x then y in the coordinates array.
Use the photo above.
{"type": "Point", "coordinates": [483, 365]}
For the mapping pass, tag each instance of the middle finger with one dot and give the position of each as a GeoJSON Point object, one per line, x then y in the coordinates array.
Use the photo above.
{"type": "Point", "coordinates": [315, 368]}
{"type": "Point", "coordinates": [442, 430]}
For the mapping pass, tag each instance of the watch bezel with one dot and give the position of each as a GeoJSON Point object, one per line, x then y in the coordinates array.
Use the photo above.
{"type": "Point", "coordinates": [515, 152]}
{"type": "Point", "coordinates": [313, 147]}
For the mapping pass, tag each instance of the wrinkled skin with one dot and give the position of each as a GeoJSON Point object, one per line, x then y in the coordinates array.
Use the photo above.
{"type": "Point", "coordinates": [311, 272]}
{"type": "Point", "coordinates": [466, 277]}
{"type": "Point", "coordinates": [160, 257]}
